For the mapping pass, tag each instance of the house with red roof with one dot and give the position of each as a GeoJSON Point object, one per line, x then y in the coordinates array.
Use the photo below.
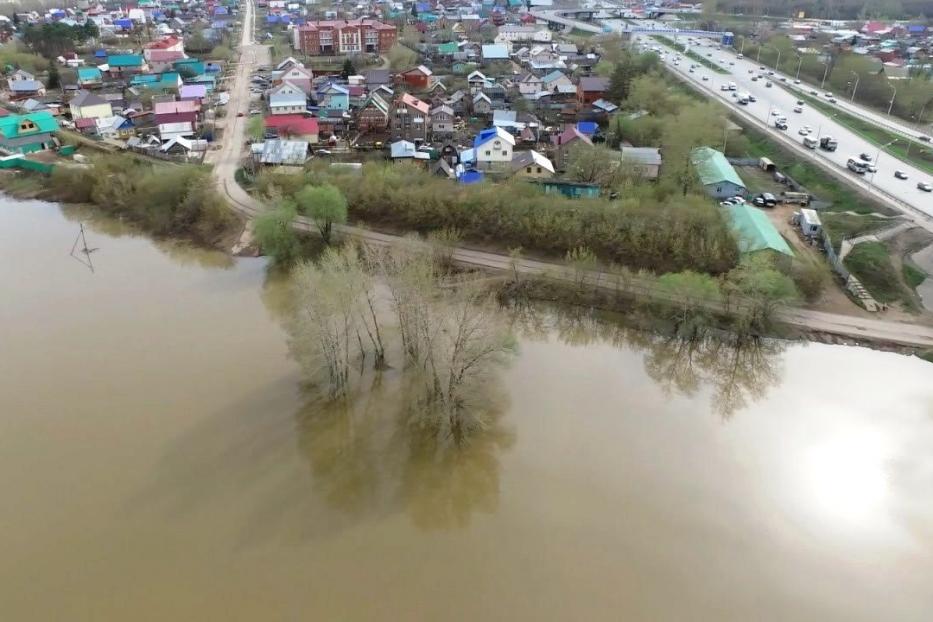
{"type": "Point", "coordinates": [294, 127]}
{"type": "Point", "coordinates": [171, 43]}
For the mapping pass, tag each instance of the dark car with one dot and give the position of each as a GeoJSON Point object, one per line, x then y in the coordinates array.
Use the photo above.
{"type": "Point", "coordinates": [239, 114]}
{"type": "Point", "coordinates": [866, 157]}
{"type": "Point", "coordinates": [765, 199]}
{"type": "Point", "coordinates": [900, 174]}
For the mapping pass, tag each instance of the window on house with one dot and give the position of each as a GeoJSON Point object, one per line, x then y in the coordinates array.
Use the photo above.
{"type": "Point", "coordinates": [488, 153]}
{"type": "Point", "coordinates": [539, 169]}
{"type": "Point", "coordinates": [528, 170]}
{"type": "Point", "coordinates": [505, 154]}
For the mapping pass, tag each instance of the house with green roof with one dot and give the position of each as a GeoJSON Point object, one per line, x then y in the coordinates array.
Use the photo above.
{"type": "Point", "coordinates": [717, 175]}
{"type": "Point", "coordinates": [755, 233]}
{"type": "Point", "coordinates": [190, 67]}
{"type": "Point", "coordinates": [168, 81]}
{"type": "Point", "coordinates": [89, 77]}
{"type": "Point", "coordinates": [448, 49]}
{"type": "Point", "coordinates": [26, 133]}
{"type": "Point", "coordinates": [125, 64]}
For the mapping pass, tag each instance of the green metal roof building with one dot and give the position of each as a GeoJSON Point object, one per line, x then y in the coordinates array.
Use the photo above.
{"type": "Point", "coordinates": [754, 231]}
{"type": "Point", "coordinates": [716, 174]}
{"type": "Point", "coordinates": [25, 133]}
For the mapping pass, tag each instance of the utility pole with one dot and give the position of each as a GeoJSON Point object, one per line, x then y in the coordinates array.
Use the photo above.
{"type": "Point", "coordinates": [855, 88]}
{"type": "Point", "coordinates": [893, 95]}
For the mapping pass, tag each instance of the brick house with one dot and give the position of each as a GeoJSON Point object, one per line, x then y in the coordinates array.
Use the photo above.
{"type": "Point", "coordinates": [410, 118]}
{"type": "Point", "coordinates": [331, 37]}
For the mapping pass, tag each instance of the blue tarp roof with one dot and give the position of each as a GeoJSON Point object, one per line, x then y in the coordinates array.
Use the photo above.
{"type": "Point", "coordinates": [123, 23]}
{"type": "Point", "coordinates": [100, 54]}
{"type": "Point", "coordinates": [587, 127]}
{"type": "Point", "coordinates": [471, 177]}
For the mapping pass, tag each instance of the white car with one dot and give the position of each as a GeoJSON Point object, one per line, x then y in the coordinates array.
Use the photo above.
{"type": "Point", "coordinates": [796, 81]}
{"type": "Point", "coordinates": [798, 109]}
{"type": "Point", "coordinates": [705, 78]}
{"type": "Point", "coordinates": [803, 131]}
{"type": "Point", "coordinates": [775, 113]}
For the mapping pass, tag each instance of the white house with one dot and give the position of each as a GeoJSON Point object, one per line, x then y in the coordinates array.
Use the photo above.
{"type": "Point", "coordinates": [493, 149]}
{"type": "Point", "coordinates": [287, 99]}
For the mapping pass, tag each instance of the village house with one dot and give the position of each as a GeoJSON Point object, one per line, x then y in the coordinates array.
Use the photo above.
{"type": "Point", "coordinates": [442, 122]}
{"type": "Point", "coordinates": [417, 79]}
{"type": "Point", "coordinates": [410, 118]}
{"type": "Point", "coordinates": [718, 177]}
{"type": "Point", "coordinates": [492, 149]}
{"type": "Point", "coordinates": [89, 77]}
{"type": "Point", "coordinates": [293, 126]}
{"type": "Point", "coordinates": [531, 165]}
{"type": "Point", "coordinates": [643, 161]}
{"type": "Point", "coordinates": [567, 140]}
{"type": "Point", "coordinates": [26, 133]}
{"type": "Point", "coordinates": [333, 97]}
{"type": "Point", "coordinates": [374, 114]}
{"type": "Point", "coordinates": [87, 105]}
{"type": "Point", "coordinates": [165, 44]}
{"type": "Point", "coordinates": [126, 64]}
{"type": "Point", "coordinates": [287, 99]}
{"type": "Point", "coordinates": [591, 89]}
{"type": "Point", "coordinates": [297, 74]}
{"type": "Point", "coordinates": [482, 105]}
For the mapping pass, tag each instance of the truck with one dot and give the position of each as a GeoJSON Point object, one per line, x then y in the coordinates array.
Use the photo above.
{"type": "Point", "coordinates": [857, 166]}
{"type": "Point", "coordinates": [828, 143]}
{"type": "Point", "coordinates": [798, 198]}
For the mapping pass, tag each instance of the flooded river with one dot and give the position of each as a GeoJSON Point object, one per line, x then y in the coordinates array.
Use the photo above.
{"type": "Point", "coordinates": [158, 461]}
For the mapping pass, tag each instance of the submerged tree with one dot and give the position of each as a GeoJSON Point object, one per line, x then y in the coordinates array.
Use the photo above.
{"type": "Point", "coordinates": [449, 334]}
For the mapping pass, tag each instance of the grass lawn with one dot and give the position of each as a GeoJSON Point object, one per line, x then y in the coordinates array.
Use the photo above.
{"type": "Point", "coordinates": [848, 226]}
{"type": "Point", "coordinates": [921, 157]}
{"type": "Point", "coordinates": [871, 263]}
{"type": "Point", "coordinates": [818, 183]}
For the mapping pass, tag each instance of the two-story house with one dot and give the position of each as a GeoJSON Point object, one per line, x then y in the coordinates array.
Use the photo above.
{"type": "Point", "coordinates": [410, 118]}
{"type": "Point", "coordinates": [87, 105]}
{"type": "Point", "coordinates": [333, 98]}
{"type": "Point", "coordinates": [287, 99]}
{"type": "Point", "coordinates": [373, 114]}
{"type": "Point", "coordinates": [492, 149]}
{"type": "Point", "coordinates": [442, 122]}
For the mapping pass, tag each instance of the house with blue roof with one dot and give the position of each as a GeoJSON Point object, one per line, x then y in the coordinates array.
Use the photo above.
{"type": "Point", "coordinates": [208, 81]}
{"type": "Point", "coordinates": [493, 148]}
{"type": "Point", "coordinates": [333, 97]}
{"type": "Point", "coordinates": [168, 81]}
{"type": "Point", "coordinates": [189, 66]}
{"type": "Point", "coordinates": [89, 77]}
{"type": "Point", "coordinates": [126, 64]}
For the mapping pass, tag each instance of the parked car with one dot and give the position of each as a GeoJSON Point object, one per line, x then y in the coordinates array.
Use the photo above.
{"type": "Point", "coordinates": [764, 199]}
{"type": "Point", "coordinates": [239, 114]}
{"type": "Point", "coordinates": [900, 174]}
{"type": "Point", "coordinates": [924, 186]}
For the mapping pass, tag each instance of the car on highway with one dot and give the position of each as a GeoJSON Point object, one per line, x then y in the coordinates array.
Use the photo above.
{"type": "Point", "coordinates": [798, 109]}
{"type": "Point", "coordinates": [832, 100]}
{"type": "Point", "coordinates": [705, 78]}
{"type": "Point", "coordinates": [865, 157]}
{"type": "Point", "coordinates": [770, 73]}
{"type": "Point", "coordinates": [751, 97]}
{"type": "Point", "coordinates": [900, 174]}
{"type": "Point", "coordinates": [762, 67]}
{"type": "Point", "coordinates": [723, 87]}
{"type": "Point", "coordinates": [803, 131]}
{"type": "Point", "coordinates": [751, 71]}
{"type": "Point", "coordinates": [871, 168]}
{"type": "Point", "coordinates": [924, 138]}
{"type": "Point", "coordinates": [814, 93]}
{"type": "Point", "coordinates": [922, 185]}
{"type": "Point", "coordinates": [775, 113]}
{"type": "Point", "coordinates": [800, 102]}
{"type": "Point", "coordinates": [828, 95]}
{"type": "Point", "coordinates": [754, 78]}
{"type": "Point", "coordinates": [781, 125]}
{"type": "Point", "coordinates": [768, 84]}
{"type": "Point", "coordinates": [783, 79]}
{"type": "Point", "coordinates": [239, 114]}
{"type": "Point", "coordinates": [796, 81]}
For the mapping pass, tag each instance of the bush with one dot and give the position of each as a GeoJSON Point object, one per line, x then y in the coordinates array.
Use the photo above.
{"type": "Point", "coordinates": [669, 235]}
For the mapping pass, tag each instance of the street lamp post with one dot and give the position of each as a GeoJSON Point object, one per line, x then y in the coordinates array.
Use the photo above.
{"type": "Point", "coordinates": [819, 129]}
{"type": "Point", "coordinates": [893, 95]}
{"type": "Point", "coordinates": [825, 73]}
{"type": "Point", "coordinates": [871, 182]}
{"type": "Point", "coordinates": [855, 88]}
{"type": "Point", "coordinates": [799, 63]}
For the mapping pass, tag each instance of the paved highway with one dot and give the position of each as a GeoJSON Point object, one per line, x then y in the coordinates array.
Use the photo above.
{"type": "Point", "coordinates": [775, 98]}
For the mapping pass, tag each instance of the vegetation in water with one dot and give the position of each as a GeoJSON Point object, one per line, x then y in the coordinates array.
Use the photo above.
{"type": "Point", "coordinates": [363, 307]}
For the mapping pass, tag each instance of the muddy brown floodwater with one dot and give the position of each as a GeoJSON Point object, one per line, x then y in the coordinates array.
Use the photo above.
{"type": "Point", "coordinates": [158, 462]}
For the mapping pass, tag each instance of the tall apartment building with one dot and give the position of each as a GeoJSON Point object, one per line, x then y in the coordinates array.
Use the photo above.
{"type": "Point", "coordinates": [344, 37]}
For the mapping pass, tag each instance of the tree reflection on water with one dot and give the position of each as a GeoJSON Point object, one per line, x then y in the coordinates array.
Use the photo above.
{"type": "Point", "coordinates": [739, 369]}
{"type": "Point", "coordinates": [367, 458]}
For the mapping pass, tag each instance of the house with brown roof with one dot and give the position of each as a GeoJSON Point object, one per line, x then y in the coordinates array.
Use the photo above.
{"type": "Point", "coordinates": [591, 88]}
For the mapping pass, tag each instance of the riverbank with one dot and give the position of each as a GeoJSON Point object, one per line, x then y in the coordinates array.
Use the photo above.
{"type": "Point", "coordinates": [177, 202]}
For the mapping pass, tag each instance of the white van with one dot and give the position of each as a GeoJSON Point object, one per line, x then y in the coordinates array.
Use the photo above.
{"type": "Point", "coordinates": [810, 142]}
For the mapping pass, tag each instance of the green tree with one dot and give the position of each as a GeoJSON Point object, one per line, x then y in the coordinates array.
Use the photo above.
{"type": "Point", "coordinates": [761, 287]}
{"type": "Point", "coordinates": [325, 205]}
{"type": "Point", "coordinates": [275, 234]}
{"type": "Point", "coordinates": [348, 69]}
{"type": "Point", "coordinates": [54, 80]}
{"type": "Point", "coordinates": [255, 128]}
